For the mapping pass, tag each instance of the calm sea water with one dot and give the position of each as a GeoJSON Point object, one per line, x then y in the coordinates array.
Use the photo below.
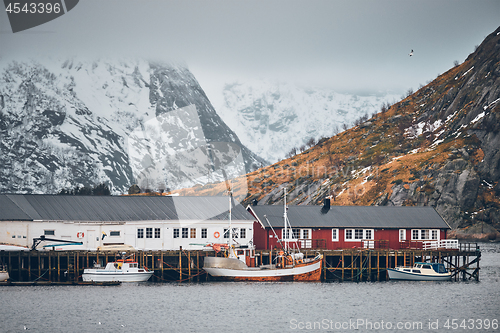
{"type": "Point", "coordinates": [261, 307]}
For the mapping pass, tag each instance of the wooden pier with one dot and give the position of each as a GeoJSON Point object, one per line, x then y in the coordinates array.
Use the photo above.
{"type": "Point", "coordinates": [66, 267]}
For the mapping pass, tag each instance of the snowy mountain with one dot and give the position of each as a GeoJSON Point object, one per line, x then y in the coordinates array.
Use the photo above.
{"type": "Point", "coordinates": [273, 118]}
{"type": "Point", "coordinates": [67, 123]}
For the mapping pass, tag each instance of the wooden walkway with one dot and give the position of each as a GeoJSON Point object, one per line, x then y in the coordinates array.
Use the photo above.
{"type": "Point", "coordinates": [186, 266]}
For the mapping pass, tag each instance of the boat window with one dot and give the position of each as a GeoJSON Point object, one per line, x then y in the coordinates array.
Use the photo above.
{"type": "Point", "coordinates": [407, 270]}
{"type": "Point", "coordinates": [133, 265]}
{"type": "Point", "coordinates": [416, 271]}
{"type": "Point", "coordinates": [439, 268]}
{"type": "Point", "coordinates": [418, 266]}
{"type": "Point", "coordinates": [426, 266]}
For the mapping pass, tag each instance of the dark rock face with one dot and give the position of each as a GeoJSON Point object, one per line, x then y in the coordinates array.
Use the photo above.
{"type": "Point", "coordinates": [67, 124]}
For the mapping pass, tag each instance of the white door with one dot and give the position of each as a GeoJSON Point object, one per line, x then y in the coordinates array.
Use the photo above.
{"type": "Point", "coordinates": [91, 240]}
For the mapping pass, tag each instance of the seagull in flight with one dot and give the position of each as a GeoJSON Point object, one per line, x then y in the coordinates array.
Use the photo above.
{"type": "Point", "coordinates": [411, 53]}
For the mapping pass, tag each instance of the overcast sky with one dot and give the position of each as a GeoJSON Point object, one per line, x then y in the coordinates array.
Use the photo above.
{"type": "Point", "coordinates": [347, 45]}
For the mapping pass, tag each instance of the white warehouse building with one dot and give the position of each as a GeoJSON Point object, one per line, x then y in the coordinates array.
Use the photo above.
{"type": "Point", "coordinates": [143, 222]}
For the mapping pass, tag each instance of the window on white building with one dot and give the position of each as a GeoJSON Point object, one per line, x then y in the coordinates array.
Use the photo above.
{"type": "Point", "coordinates": [157, 232]}
{"type": "Point", "coordinates": [185, 233]}
{"type": "Point", "coordinates": [204, 233]}
{"type": "Point", "coordinates": [243, 233]}
{"type": "Point", "coordinates": [115, 233]}
{"type": "Point", "coordinates": [192, 233]}
{"type": "Point", "coordinates": [176, 233]}
{"type": "Point", "coordinates": [149, 232]}
{"type": "Point", "coordinates": [140, 233]}
{"type": "Point", "coordinates": [49, 232]}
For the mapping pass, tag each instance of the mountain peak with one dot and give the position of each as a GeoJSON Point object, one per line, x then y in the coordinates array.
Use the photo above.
{"type": "Point", "coordinates": [436, 147]}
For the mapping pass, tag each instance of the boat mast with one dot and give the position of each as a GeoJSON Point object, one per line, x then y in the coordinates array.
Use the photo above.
{"type": "Point", "coordinates": [230, 227]}
{"type": "Point", "coordinates": [285, 236]}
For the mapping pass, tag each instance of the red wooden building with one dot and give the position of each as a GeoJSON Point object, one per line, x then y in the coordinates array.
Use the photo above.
{"type": "Point", "coordinates": [341, 227]}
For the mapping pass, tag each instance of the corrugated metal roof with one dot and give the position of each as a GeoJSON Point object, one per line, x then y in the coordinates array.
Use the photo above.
{"type": "Point", "coordinates": [116, 208]}
{"type": "Point", "coordinates": [352, 216]}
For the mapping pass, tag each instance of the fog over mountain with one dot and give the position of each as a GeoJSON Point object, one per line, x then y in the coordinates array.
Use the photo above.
{"type": "Point", "coordinates": [73, 122]}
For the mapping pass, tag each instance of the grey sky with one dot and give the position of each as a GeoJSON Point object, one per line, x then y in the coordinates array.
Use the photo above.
{"type": "Point", "coordinates": [359, 45]}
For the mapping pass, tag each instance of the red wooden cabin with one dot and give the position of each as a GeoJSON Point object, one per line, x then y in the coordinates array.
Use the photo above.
{"type": "Point", "coordinates": [340, 227]}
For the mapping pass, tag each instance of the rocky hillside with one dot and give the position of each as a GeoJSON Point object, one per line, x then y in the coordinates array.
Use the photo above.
{"type": "Point", "coordinates": [80, 123]}
{"type": "Point", "coordinates": [272, 119]}
{"type": "Point", "coordinates": [440, 146]}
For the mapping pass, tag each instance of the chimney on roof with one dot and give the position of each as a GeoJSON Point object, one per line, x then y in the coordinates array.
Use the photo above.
{"type": "Point", "coordinates": [326, 206]}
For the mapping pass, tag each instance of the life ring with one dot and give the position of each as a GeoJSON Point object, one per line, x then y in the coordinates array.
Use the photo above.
{"type": "Point", "coordinates": [80, 234]}
{"type": "Point", "coordinates": [216, 234]}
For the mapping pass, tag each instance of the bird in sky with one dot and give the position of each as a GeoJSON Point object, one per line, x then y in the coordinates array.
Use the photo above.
{"type": "Point", "coordinates": [411, 53]}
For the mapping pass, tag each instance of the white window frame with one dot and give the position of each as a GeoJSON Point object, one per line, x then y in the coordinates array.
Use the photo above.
{"type": "Point", "coordinates": [421, 233]}
{"type": "Point", "coordinates": [335, 235]}
{"type": "Point", "coordinates": [115, 231]}
{"type": "Point", "coordinates": [402, 235]}
{"type": "Point", "coordinates": [48, 232]}
{"type": "Point", "coordinates": [353, 232]}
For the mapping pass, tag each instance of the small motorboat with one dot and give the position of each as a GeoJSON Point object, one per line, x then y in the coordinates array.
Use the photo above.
{"type": "Point", "coordinates": [4, 274]}
{"type": "Point", "coordinates": [123, 270]}
{"type": "Point", "coordinates": [421, 271]}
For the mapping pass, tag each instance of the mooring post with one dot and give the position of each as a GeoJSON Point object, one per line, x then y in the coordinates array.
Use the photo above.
{"type": "Point", "coordinates": [189, 265]}
{"type": "Point", "coordinates": [180, 264]}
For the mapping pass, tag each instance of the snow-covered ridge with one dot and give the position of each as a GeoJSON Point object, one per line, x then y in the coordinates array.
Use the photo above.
{"type": "Point", "coordinates": [273, 118]}
{"type": "Point", "coordinates": [67, 123]}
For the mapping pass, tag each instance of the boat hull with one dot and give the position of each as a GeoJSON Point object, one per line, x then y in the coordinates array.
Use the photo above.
{"type": "Point", "coordinates": [113, 276]}
{"type": "Point", "coordinates": [395, 274]}
{"type": "Point", "coordinates": [305, 272]}
{"type": "Point", "coordinates": [4, 276]}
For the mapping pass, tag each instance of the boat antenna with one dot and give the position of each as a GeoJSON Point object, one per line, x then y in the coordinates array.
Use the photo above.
{"type": "Point", "coordinates": [285, 235]}
{"type": "Point", "coordinates": [230, 196]}
{"type": "Point", "coordinates": [274, 232]}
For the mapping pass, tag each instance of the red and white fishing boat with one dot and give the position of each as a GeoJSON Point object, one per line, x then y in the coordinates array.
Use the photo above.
{"type": "Point", "coordinates": [239, 262]}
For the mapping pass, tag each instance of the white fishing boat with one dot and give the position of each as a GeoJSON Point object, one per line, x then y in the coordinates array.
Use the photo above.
{"type": "Point", "coordinates": [4, 274]}
{"type": "Point", "coordinates": [123, 270]}
{"type": "Point", "coordinates": [239, 262]}
{"type": "Point", "coordinates": [420, 271]}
